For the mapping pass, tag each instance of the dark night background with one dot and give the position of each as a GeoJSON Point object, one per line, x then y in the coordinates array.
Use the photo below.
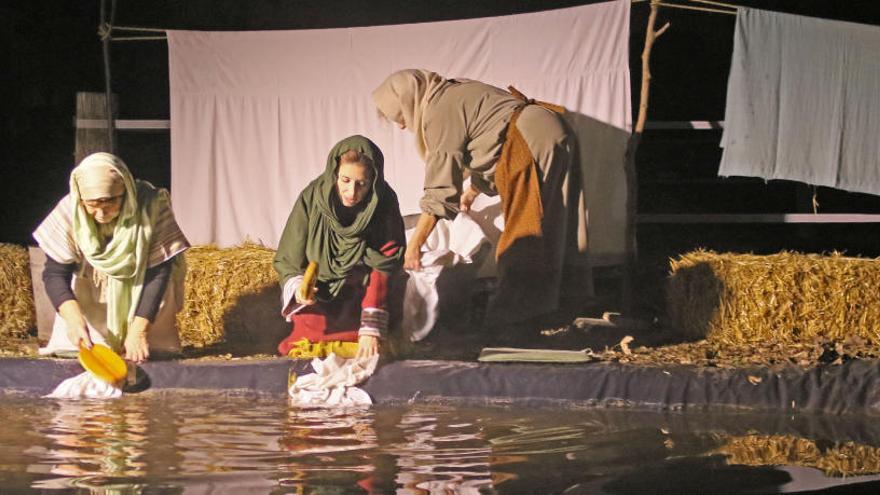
{"type": "Point", "coordinates": [51, 51]}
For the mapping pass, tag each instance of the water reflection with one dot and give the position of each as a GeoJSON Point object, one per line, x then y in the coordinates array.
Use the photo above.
{"type": "Point", "coordinates": [439, 451]}
{"type": "Point", "coordinates": [90, 443]}
{"type": "Point", "coordinates": [227, 444]}
{"type": "Point", "coordinates": [328, 448]}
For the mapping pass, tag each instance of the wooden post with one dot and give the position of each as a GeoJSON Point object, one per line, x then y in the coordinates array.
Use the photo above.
{"type": "Point", "coordinates": [105, 30]}
{"type": "Point", "coordinates": [632, 191]}
{"type": "Point", "coordinates": [90, 139]}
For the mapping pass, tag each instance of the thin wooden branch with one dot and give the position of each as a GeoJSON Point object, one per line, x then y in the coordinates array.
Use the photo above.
{"type": "Point", "coordinates": [661, 31]}
{"type": "Point", "coordinates": [650, 35]}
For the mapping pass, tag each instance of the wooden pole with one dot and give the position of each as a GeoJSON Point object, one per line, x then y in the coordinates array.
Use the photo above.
{"type": "Point", "coordinates": [105, 30]}
{"type": "Point", "coordinates": [632, 191]}
{"type": "Point", "coordinates": [92, 107]}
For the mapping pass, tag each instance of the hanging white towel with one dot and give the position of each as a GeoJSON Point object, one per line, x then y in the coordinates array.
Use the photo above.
{"type": "Point", "coordinates": [803, 101]}
{"type": "Point", "coordinates": [333, 382]}
{"type": "Point", "coordinates": [85, 386]}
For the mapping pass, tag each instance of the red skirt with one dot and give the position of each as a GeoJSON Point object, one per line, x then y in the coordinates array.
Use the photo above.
{"type": "Point", "coordinates": [339, 319]}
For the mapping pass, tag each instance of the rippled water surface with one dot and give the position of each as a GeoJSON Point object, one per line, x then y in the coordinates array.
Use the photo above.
{"type": "Point", "coordinates": [221, 444]}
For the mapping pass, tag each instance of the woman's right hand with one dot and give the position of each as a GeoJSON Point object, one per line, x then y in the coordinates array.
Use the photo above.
{"type": "Point", "coordinates": [77, 328]}
{"type": "Point", "coordinates": [412, 259]}
{"type": "Point", "coordinates": [306, 301]}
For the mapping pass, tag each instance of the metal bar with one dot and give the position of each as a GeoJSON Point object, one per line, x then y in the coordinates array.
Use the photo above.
{"type": "Point", "coordinates": [166, 124]}
{"type": "Point", "coordinates": [685, 124]}
{"type": "Point", "coordinates": [128, 124]}
{"type": "Point", "coordinates": [683, 218]}
{"type": "Point", "coordinates": [137, 28]}
{"type": "Point", "coordinates": [137, 38]}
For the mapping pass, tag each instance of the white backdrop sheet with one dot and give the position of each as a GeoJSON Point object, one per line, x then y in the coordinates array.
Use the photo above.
{"type": "Point", "coordinates": [254, 114]}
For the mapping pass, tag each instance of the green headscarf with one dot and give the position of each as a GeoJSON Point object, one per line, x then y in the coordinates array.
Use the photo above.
{"type": "Point", "coordinates": [123, 259]}
{"type": "Point", "coordinates": [314, 232]}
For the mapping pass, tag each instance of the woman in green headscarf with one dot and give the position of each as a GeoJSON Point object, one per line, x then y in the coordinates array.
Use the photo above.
{"type": "Point", "coordinates": [347, 221]}
{"type": "Point", "coordinates": [112, 269]}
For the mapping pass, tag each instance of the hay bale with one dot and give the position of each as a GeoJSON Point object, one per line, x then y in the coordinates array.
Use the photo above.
{"type": "Point", "coordinates": [231, 296]}
{"type": "Point", "coordinates": [785, 297]}
{"type": "Point", "coordinates": [17, 314]}
{"type": "Point", "coordinates": [844, 459]}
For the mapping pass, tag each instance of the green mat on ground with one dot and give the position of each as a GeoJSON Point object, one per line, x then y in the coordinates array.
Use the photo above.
{"type": "Point", "coordinates": [517, 355]}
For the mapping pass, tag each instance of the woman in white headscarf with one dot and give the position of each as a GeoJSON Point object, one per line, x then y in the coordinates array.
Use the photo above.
{"type": "Point", "coordinates": [113, 270]}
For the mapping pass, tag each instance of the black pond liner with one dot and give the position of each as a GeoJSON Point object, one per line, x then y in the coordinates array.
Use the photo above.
{"type": "Point", "coordinates": [853, 387]}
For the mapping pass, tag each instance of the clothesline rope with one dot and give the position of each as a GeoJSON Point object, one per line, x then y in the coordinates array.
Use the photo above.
{"type": "Point", "coordinates": [699, 9]}
{"type": "Point", "coordinates": [106, 29]}
{"type": "Point", "coordinates": [707, 2]}
{"type": "Point", "coordinates": [717, 4]}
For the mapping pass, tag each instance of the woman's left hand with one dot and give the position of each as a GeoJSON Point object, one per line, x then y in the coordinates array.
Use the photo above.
{"type": "Point", "coordinates": [136, 348]}
{"type": "Point", "coordinates": [368, 346]}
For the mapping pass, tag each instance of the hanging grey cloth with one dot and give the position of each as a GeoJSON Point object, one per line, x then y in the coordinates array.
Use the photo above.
{"type": "Point", "coordinates": [803, 101]}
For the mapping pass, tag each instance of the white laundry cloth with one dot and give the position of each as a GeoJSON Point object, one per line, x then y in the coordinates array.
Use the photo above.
{"type": "Point", "coordinates": [85, 386]}
{"type": "Point", "coordinates": [451, 242]}
{"type": "Point", "coordinates": [333, 382]}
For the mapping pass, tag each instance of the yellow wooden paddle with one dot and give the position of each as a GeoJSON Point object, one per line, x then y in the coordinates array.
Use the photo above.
{"type": "Point", "coordinates": [103, 363]}
{"type": "Point", "coordinates": [310, 278]}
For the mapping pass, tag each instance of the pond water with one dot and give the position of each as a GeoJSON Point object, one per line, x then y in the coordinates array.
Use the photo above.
{"type": "Point", "coordinates": [215, 443]}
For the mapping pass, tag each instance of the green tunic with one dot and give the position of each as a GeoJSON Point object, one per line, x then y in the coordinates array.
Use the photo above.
{"type": "Point", "coordinates": [314, 231]}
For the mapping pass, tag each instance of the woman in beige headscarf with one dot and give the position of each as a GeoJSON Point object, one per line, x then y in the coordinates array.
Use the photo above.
{"type": "Point", "coordinates": [512, 146]}
{"type": "Point", "coordinates": [112, 271]}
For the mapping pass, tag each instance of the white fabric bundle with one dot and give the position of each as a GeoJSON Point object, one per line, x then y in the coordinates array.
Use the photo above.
{"type": "Point", "coordinates": [85, 386]}
{"type": "Point", "coordinates": [451, 242]}
{"type": "Point", "coordinates": [333, 382]}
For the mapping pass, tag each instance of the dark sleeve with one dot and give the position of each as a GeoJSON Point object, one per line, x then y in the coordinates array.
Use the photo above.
{"type": "Point", "coordinates": [155, 283]}
{"type": "Point", "coordinates": [290, 257]}
{"type": "Point", "coordinates": [484, 186]}
{"type": "Point", "coordinates": [56, 278]}
{"type": "Point", "coordinates": [386, 241]}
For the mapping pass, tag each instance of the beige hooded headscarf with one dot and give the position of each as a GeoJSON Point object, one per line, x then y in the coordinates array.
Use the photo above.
{"type": "Point", "coordinates": [98, 177]}
{"type": "Point", "coordinates": [403, 97]}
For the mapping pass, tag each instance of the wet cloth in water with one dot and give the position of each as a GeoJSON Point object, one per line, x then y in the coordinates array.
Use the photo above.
{"type": "Point", "coordinates": [781, 61]}
{"type": "Point", "coordinates": [334, 382]}
{"type": "Point", "coordinates": [84, 386]}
